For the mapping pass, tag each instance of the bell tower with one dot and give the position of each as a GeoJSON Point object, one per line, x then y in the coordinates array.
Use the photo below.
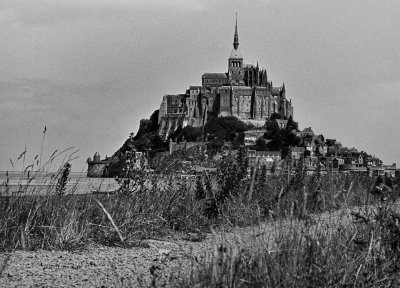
{"type": "Point", "coordinates": [235, 62]}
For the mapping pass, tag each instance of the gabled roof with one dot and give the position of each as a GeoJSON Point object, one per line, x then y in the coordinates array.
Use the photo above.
{"type": "Point", "coordinates": [248, 66]}
{"type": "Point", "coordinates": [215, 75]}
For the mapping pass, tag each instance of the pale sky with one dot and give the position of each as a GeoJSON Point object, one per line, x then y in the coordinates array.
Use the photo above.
{"type": "Point", "coordinates": [89, 70]}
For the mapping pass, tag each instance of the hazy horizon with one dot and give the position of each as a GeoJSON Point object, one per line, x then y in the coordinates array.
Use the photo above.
{"type": "Point", "coordinates": [90, 70]}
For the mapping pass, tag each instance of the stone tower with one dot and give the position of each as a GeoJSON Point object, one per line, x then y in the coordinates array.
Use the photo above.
{"type": "Point", "coordinates": [235, 62]}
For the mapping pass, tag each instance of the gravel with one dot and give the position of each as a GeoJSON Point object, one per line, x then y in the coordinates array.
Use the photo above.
{"type": "Point", "coordinates": [101, 266]}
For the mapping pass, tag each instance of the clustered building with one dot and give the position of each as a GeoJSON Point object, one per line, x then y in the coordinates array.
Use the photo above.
{"type": "Point", "coordinates": [244, 92]}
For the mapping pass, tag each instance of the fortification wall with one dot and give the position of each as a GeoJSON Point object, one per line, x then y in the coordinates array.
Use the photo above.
{"type": "Point", "coordinates": [174, 146]}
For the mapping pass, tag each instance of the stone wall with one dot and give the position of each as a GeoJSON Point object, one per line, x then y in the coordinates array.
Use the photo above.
{"type": "Point", "coordinates": [174, 146]}
{"type": "Point", "coordinates": [96, 169]}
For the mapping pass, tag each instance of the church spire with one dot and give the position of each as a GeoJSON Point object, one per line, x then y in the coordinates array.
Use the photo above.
{"type": "Point", "coordinates": [236, 37]}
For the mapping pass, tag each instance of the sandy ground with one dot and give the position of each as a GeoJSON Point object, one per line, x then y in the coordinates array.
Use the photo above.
{"type": "Point", "coordinates": [100, 266]}
{"type": "Point", "coordinates": [41, 187]}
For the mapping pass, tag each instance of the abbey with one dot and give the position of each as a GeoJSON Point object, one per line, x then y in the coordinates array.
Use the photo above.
{"type": "Point", "coordinates": [244, 92]}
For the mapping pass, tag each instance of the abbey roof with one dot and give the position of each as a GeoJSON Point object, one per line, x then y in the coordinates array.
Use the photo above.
{"type": "Point", "coordinates": [215, 75]}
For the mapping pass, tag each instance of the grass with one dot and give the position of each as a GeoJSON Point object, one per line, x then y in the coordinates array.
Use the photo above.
{"type": "Point", "coordinates": [305, 253]}
{"type": "Point", "coordinates": [329, 253]}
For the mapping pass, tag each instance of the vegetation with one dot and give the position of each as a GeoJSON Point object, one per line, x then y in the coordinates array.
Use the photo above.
{"type": "Point", "coordinates": [188, 133]}
{"type": "Point", "coordinates": [345, 254]}
{"type": "Point", "coordinates": [146, 138]}
{"type": "Point", "coordinates": [280, 138]}
{"type": "Point", "coordinates": [64, 220]}
{"type": "Point", "coordinates": [306, 254]}
{"type": "Point", "coordinates": [225, 128]}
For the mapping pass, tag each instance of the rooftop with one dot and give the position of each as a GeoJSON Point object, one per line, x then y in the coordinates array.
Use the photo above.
{"type": "Point", "coordinates": [215, 75]}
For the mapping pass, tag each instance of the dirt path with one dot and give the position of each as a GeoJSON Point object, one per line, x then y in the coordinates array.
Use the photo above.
{"type": "Point", "coordinates": [100, 266]}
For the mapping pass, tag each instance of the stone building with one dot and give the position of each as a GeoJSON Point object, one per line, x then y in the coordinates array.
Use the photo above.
{"type": "Point", "coordinates": [96, 167]}
{"type": "Point", "coordinates": [244, 92]}
{"type": "Point", "coordinates": [113, 166]}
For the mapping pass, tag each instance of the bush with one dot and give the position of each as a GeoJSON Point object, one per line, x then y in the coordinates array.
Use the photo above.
{"type": "Point", "coordinates": [225, 128]}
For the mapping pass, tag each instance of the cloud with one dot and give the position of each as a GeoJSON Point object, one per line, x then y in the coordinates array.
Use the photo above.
{"type": "Point", "coordinates": [46, 12]}
{"type": "Point", "coordinates": [45, 98]}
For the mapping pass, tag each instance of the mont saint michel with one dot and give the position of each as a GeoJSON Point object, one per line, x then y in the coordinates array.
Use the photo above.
{"type": "Point", "coordinates": [153, 143]}
{"type": "Point", "coordinates": [244, 92]}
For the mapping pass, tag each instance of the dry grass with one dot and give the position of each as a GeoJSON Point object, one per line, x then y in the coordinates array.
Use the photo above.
{"type": "Point", "coordinates": [331, 252]}
{"type": "Point", "coordinates": [303, 254]}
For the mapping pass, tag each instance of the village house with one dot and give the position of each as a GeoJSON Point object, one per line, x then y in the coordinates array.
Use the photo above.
{"type": "Point", "coordinates": [295, 153]}
{"type": "Point", "coordinates": [263, 158]}
{"type": "Point", "coordinates": [306, 132]}
{"type": "Point", "coordinates": [390, 169]}
{"type": "Point", "coordinates": [251, 136]}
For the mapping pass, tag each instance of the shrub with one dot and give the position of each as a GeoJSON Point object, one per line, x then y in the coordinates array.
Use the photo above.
{"type": "Point", "coordinates": [225, 128]}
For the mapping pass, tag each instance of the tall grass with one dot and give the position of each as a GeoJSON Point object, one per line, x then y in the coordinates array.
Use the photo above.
{"type": "Point", "coordinates": [306, 253]}
{"type": "Point", "coordinates": [335, 252]}
{"type": "Point", "coordinates": [148, 205]}
{"type": "Point", "coordinates": [67, 220]}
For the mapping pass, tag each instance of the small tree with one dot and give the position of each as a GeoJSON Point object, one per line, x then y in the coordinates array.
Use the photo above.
{"type": "Point", "coordinates": [261, 145]}
{"type": "Point", "coordinates": [133, 175]}
{"type": "Point", "coordinates": [298, 181]}
{"type": "Point", "coordinates": [276, 142]}
{"type": "Point", "coordinates": [291, 125]}
{"type": "Point", "coordinates": [228, 180]}
{"type": "Point", "coordinates": [242, 162]}
{"type": "Point", "coordinates": [200, 193]}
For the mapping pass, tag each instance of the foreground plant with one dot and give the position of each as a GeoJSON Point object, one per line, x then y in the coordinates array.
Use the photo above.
{"type": "Point", "coordinates": [326, 252]}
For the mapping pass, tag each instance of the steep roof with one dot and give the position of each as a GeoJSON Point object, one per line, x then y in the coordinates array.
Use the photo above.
{"type": "Point", "coordinates": [215, 75]}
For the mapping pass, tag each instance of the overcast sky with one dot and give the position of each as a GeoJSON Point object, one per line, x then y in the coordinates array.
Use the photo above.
{"type": "Point", "coordinates": [89, 70]}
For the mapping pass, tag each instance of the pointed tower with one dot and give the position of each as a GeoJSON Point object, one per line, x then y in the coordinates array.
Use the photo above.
{"type": "Point", "coordinates": [236, 37]}
{"type": "Point", "coordinates": [235, 62]}
{"type": "Point", "coordinates": [283, 91]}
{"type": "Point", "coordinates": [264, 79]}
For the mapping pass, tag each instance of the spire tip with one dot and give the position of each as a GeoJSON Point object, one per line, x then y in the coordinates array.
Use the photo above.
{"type": "Point", "coordinates": [236, 37]}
